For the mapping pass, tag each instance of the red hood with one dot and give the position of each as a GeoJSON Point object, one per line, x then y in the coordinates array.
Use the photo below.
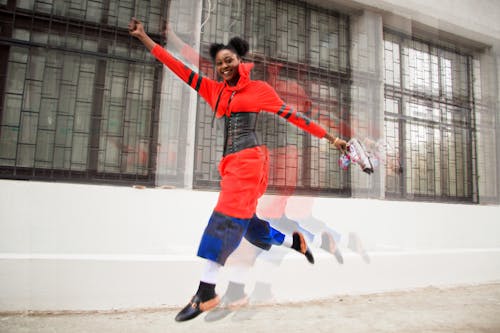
{"type": "Point", "coordinates": [244, 69]}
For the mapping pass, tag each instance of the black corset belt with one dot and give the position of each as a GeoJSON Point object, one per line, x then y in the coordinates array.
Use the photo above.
{"type": "Point", "coordinates": [239, 132]}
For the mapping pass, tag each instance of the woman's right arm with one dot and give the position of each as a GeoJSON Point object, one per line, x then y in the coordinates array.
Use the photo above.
{"type": "Point", "coordinates": [204, 86]}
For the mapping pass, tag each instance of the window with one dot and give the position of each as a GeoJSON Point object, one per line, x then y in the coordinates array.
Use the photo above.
{"type": "Point", "coordinates": [302, 51]}
{"type": "Point", "coordinates": [428, 121]}
{"type": "Point", "coordinates": [78, 94]}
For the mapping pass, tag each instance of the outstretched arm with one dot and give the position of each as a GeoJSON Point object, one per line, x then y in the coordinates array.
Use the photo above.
{"type": "Point", "coordinates": [205, 87]}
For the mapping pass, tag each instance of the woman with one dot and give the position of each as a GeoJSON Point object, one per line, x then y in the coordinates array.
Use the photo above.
{"type": "Point", "coordinates": [244, 166]}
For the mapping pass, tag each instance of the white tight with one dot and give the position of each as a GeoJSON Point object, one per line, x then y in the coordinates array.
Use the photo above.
{"type": "Point", "coordinates": [210, 272]}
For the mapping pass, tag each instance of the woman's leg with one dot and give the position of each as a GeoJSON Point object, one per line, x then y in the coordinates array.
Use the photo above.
{"type": "Point", "coordinates": [205, 298]}
{"type": "Point", "coordinates": [221, 237]}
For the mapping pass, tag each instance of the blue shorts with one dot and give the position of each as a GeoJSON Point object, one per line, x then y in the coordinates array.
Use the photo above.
{"type": "Point", "coordinates": [223, 235]}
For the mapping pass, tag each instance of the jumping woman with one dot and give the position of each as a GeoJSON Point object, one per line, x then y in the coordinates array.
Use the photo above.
{"type": "Point", "coordinates": [244, 165]}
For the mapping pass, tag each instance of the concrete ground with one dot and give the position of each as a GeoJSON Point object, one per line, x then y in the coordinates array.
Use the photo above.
{"type": "Point", "coordinates": [458, 309]}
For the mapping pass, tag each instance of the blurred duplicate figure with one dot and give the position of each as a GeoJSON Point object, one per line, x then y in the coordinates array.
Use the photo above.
{"type": "Point", "coordinates": [244, 165]}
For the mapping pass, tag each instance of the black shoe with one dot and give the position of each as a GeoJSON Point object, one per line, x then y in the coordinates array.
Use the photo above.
{"type": "Point", "coordinates": [300, 245]}
{"type": "Point", "coordinates": [225, 308]}
{"type": "Point", "coordinates": [196, 307]}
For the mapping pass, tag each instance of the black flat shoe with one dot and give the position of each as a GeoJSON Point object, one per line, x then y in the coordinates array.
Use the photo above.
{"type": "Point", "coordinates": [302, 246]}
{"type": "Point", "coordinates": [196, 307]}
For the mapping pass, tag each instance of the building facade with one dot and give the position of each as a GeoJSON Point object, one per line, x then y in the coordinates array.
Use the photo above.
{"type": "Point", "coordinates": [83, 103]}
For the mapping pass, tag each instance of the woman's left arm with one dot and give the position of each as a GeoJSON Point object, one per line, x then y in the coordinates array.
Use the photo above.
{"type": "Point", "coordinates": [271, 102]}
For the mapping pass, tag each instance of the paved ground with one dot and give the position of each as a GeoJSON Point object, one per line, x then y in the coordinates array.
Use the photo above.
{"type": "Point", "coordinates": [464, 309]}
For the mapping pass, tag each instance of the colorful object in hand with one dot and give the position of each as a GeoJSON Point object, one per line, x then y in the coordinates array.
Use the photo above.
{"type": "Point", "coordinates": [344, 161]}
{"type": "Point", "coordinates": [356, 153]}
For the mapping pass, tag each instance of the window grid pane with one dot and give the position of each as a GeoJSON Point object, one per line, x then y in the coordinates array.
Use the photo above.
{"type": "Point", "coordinates": [79, 92]}
{"type": "Point", "coordinates": [428, 121]}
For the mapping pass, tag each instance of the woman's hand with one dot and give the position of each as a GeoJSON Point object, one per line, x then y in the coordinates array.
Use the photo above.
{"type": "Point", "coordinates": [136, 29]}
{"type": "Point", "coordinates": [337, 142]}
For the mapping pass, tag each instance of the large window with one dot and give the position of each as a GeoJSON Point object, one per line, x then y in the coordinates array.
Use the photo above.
{"type": "Point", "coordinates": [78, 94]}
{"type": "Point", "coordinates": [428, 121]}
{"type": "Point", "coordinates": [302, 51]}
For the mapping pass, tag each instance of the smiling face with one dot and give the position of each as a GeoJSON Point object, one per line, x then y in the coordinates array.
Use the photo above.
{"type": "Point", "coordinates": [226, 64]}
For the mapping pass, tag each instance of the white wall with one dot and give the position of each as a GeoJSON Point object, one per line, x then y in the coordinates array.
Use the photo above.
{"type": "Point", "coordinates": [82, 247]}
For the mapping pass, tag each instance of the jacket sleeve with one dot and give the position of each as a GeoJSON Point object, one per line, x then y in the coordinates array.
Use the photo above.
{"type": "Point", "coordinates": [271, 102]}
{"type": "Point", "coordinates": [204, 86]}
